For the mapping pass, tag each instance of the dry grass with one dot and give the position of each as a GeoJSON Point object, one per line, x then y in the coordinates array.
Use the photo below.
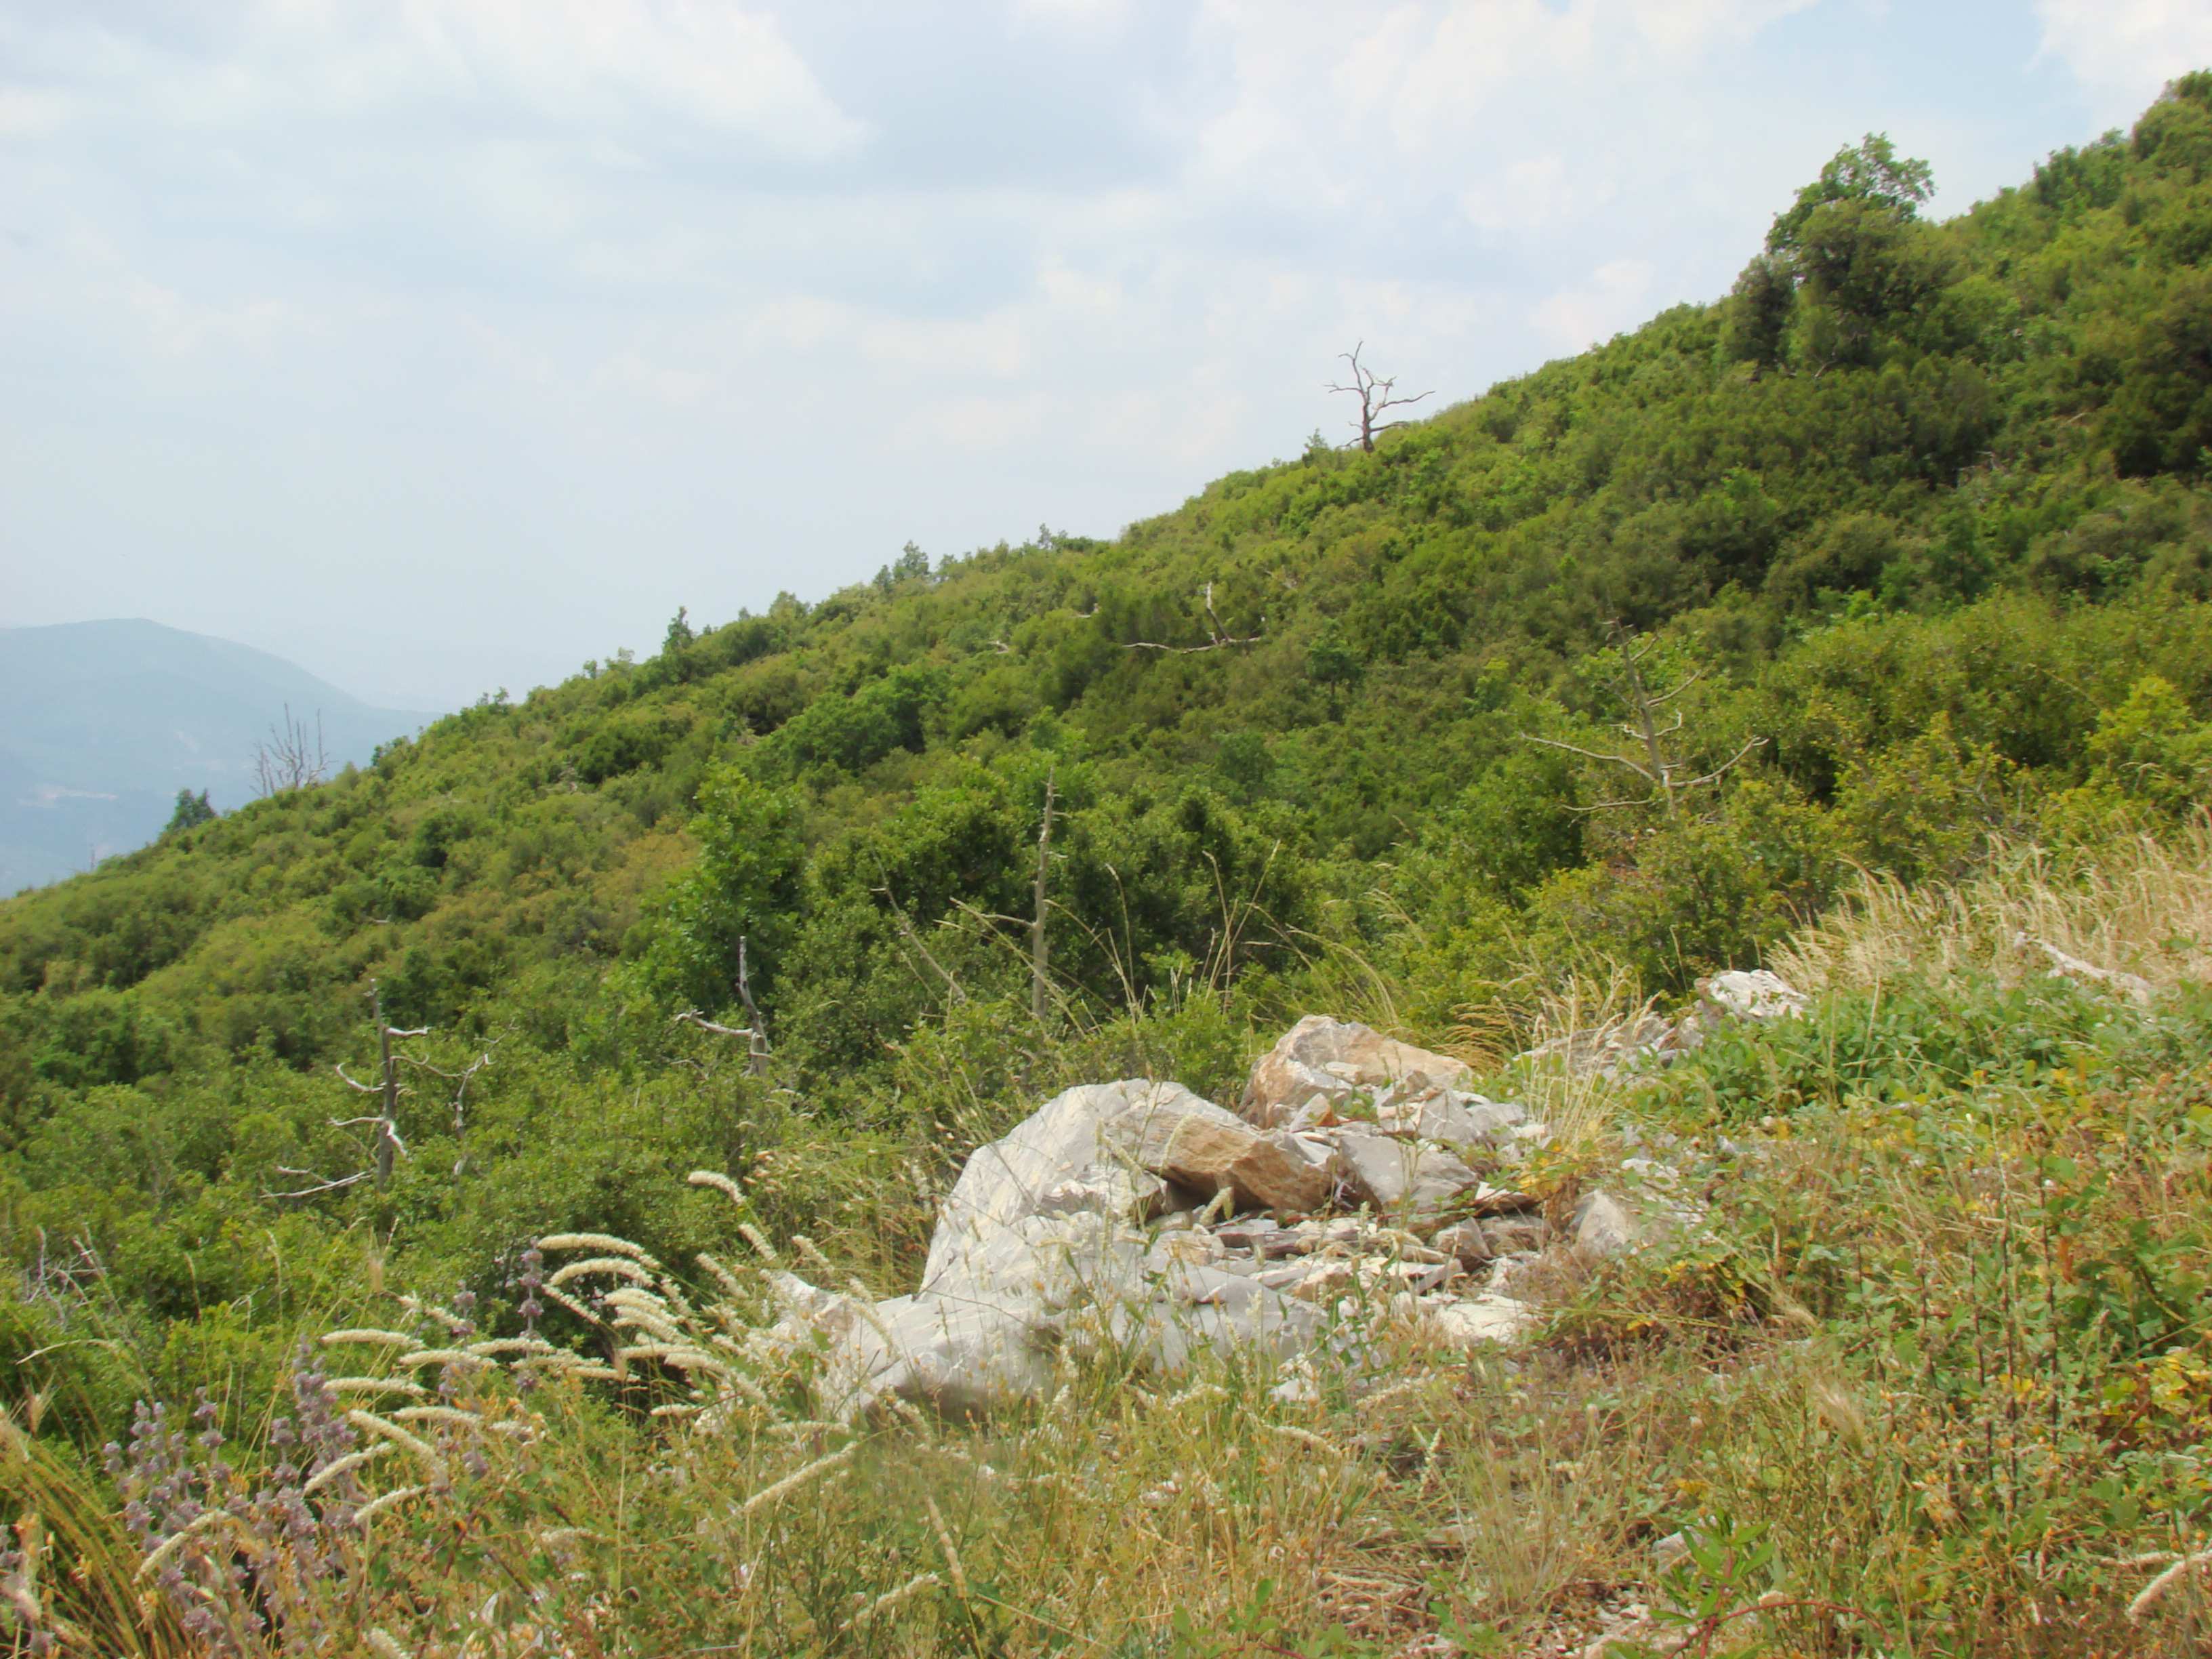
{"type": "Point", "coordinates": [1894, 1355]}
{"type": "Point", "coordinates": [2141, 907]}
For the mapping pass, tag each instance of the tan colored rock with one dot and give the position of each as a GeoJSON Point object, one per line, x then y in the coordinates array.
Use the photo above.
{"type": "Point", "coordinates": [1484, 1200]}
{"type": "Point", "coordinates": [1334, 1060]}
{"type": "Point", "coordinates": [1464, 1242]}
{"type": "Point", "coordinates": [1196, 1143]}
{"type": "Point", "coordinates": [1516, 1235]}
{"type": "Point", "coordinates": [1603, 1225]}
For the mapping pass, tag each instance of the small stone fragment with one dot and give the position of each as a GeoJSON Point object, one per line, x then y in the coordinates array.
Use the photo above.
{"type": "Point", "coordinates": [1464, 1242]}
{"type": "Point", "coordinates": [1602, 1226]}
{"type": "Point", "coordinates": [1490, 1317]}
{"type": "Point", "coordinates": [1516, 1235]}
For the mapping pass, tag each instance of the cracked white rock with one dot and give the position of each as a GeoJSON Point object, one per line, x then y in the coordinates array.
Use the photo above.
{"type": "Point", "coordinates": [1754, 994]}
{"type": "Point", "coordinates": [1335, 1059]}
{"type": "Point", "coordinates": [1489, 1317]}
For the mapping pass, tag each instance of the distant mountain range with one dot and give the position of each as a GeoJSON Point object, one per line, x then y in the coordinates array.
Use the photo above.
{"type": "Point", "coordinates": [105, 721]}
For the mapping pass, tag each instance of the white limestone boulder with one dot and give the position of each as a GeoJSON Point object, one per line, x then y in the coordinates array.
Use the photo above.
{"type": "Point", "coordinates": [1335, 1059]}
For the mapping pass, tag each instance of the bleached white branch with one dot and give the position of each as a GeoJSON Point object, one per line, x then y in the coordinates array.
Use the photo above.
{"type": "Point", "coordinates": [693, 1016]}
{"type": "Point", "coordinates": [1217, 637]}
{"type": "Point", "coordinates": [317, 1183]}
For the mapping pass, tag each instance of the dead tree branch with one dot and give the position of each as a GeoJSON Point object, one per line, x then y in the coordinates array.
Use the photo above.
{"type": "Point", "coordinates": [317, 1184]}
{"type": "Point", "coordinates": [756, 1051]}
{"type": "Point", "coordinates": [386, 1147]}
{"type": "Point", "coordinates": [1376, 394]}
{"type": "Point", "coordinates": [290, 759]}
{"type": "Point", "coordinates": [906, 931]}
{"type": "Point", "coordinates": [460, 1081]}
{"type": "Point", "coordinates": [1217, 637]}
{"type": "Point", "coordinates": [693, 1016]}
{"type": "Point", "coordinates": [1646, 730]}
{"type": "Point", "coordinates": [755, 1035]}
{"type": "Point", "coordinates": [1037, 947]}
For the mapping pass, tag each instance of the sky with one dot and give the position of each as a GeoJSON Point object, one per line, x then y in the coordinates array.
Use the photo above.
{"type": "Point", "coordinates": [439, 345]}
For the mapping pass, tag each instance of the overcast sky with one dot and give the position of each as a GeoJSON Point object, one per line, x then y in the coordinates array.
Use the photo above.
{"type": "Point", "coordinates": [439, 346]}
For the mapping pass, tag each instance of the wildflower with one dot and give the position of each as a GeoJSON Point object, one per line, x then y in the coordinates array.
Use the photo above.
{"type": "Point", "coordinates": [1292, 1431]}
{"type": "Point", "coordinates": [391, 1431]}
{"type": "Point", "coordinates": [945, 1542]}
{"type": "Point", "coordinates": [620, 1267]}
{"type": "Point", "coordinates": [344, 1466]}
{"type": "Point", "coordinates": [886, 1602]}
{"type": "Point", "coordinates": [793, 1482]}
{"type": "Point", "coordinates": [606, 1243]}
{"type": "Point", "coordinates": [376, 1506]}
{"type": "Point", "coordinates": [721, 1183]}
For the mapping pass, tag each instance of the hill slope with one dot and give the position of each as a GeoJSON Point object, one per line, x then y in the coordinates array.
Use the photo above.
{"type": "Point", "coordinates": [1911, 534]}
{"type": "Point", "coordinates": [108, 720]}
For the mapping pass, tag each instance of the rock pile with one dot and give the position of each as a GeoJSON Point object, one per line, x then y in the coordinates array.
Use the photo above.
{"type": "Point", "coordinates": [1361, 1179]}
{"type": "Point", "coordinates": [1648, 1039]}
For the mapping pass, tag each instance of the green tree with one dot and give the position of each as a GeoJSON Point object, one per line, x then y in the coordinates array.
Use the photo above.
{"type": "Point", "coordinates": [1758, 311]}
{"type": "Point", "coordinates": [1853, 244]}
{"type": "Point", "coordinates": [743, 893]}
{"type": "Point", "coordinates": [1870, 173]}
{"type": "Point", "coordinates": [192, 811]}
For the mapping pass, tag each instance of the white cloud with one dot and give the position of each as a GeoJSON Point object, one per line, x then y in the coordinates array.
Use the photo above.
{"type": "Point", "coordinates": [1424, 71]}
{"type": "Point", "coordinates": [2123, 51]}
{"type": "Point", "coordinates": [716, 62]}
{"type": "Point", "coordinates": [163, 318]}
{"type": "Point", "coordinates": [1613, 300]}
{"type": "Point", "coordinates": [974, 424]}
{"type": "Point", "coordinates": [1525, 196]}
{"type": "Point", "coordinates": [533, 190]}
{"type": "Point", "coordinates": [664, 383]}
{"type": "Point", "coordinates": [1685, 25]}
{"type": "Point", "coordinates": [29, 111]}
{"type": "Point", "coordinates": [1085, 16]}
{"type": "Point", "coordinates": [721, 66]}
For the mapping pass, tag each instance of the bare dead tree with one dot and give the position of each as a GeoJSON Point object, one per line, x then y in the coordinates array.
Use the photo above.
{"type": "Point", "coordinates": [908, 932]}
{"type": "Point", "coordinates": [290, 759]}
{"type": "Point", "coordinates": [756, 1045]}
{"type": "Point", "coordinates": [755, 1035]}
{"type": "Point", "coordinates": [1217, 637]}
{"type": "Point", "coordinates": [1377, 395]}
{"type": "Point", "coordinates": [385, 1148]}
{"type": "Point", "coordinates": [64, 1282]}
{"type": "Point", "coordinates": [1037, 946]}
{"type": "Point", "coordinates": [459, 1080]}
{"type": "Point", "coordinates": [1648, 727]}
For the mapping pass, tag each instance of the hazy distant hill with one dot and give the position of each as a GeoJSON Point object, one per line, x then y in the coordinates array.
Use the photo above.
{"type": "Point", "coordinates": [106, 720]}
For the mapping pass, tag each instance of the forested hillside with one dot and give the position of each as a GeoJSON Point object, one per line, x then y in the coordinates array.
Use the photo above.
{"type": "Point", "coordinates": [1905, 547]}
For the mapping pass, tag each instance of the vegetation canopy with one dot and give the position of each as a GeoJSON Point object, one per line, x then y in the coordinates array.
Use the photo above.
{"type": "Point", "coordinates": [1892, 563]}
